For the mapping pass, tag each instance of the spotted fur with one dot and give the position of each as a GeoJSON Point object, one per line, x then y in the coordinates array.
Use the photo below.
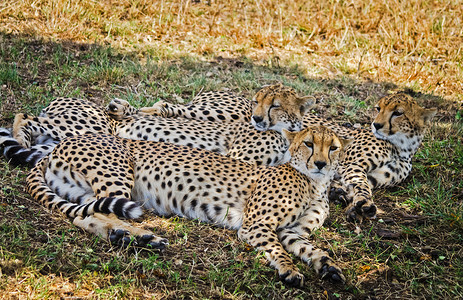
{"type": "Point", "coordinates": [376, 159]}
{"type": "Point", "coordinates": [273, 208]}
{"type": "Point", "coordinates": [66, 117]}
{"type": "Point", "coordinates": [273, 107]}
{"type": "Point", "coordinates": [372, 161]}
{"type": "Point", "coordinates": [213, 106]}
{"type": "Point", "coordinates": [32, 138]}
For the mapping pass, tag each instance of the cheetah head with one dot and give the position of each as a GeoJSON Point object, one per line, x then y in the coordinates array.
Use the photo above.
{"type": "Point", "coordinates": [277, 107]}
{"type": "Point", "coordinates": [401, 120]}
{"type": "Point", "coordinates": [315, 151]}
{"type": "Point", "coordinates": [118, 109]}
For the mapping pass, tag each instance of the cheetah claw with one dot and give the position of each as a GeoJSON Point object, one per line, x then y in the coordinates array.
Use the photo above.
{"type": "Point", "coordinates": [338, 195]}
{"type": "Point", "coordinates": [369, 211]}
{"type": "Point", "coordinates": [120, 237]}
{"type": "Point", "coordinates": [146, 241]}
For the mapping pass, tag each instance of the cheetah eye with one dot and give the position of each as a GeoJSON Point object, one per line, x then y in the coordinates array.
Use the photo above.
{"type": "Point", "coordinates": [397, 113]}
{"type": "Point", "coordinates": [333, 148]}
{"type": "Point", "coordinates": [309, 144]}
{"type": "Point", "coordinates": [275, 105]}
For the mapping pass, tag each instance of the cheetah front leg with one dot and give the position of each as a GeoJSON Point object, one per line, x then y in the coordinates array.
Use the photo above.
{"type": "Point", "coordinates": [321, 261]}
{"type": "Point", "coordinates": [168, 110]}
{"type": "Point", "coordinates": [160, 109]}
{"type": "Point", "coordinates": [362, 205]}
{"type": "Point", "coordinates": [263, 237]}
{"type": "Point", "coordinates": [295, 240]}
{"type": "Point", "coordinates": [119, 109]}
{"type": "Point", "coordinates": [119, 232]}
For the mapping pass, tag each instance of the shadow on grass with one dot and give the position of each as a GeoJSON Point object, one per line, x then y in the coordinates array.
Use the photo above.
{"type": "Point", "coordinates": [47, 254]}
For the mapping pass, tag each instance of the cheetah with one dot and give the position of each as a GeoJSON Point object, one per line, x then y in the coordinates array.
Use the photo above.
{"type": "Point", "coordinates": [376, 159]}
{"type": "Point", "coordinates": [66, 117]}
{"type": "Point", "coordinates": [213, 106]}
{"type": "Point", "coordinates": [32, 137]}
{"type": "Point", "coordinates": [369, 155]}
{"type": "Point", "coordinates": [269, 111]}
{"type": "Point", "coordinates": [97, 178]}
{"type": "Point", "coordinates": [383, 156]}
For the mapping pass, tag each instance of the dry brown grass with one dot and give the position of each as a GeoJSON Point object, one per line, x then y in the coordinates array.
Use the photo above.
{"type": "Point", "coordinates": [414, 43]}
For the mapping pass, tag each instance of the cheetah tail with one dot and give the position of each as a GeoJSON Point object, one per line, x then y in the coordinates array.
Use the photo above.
{"type": "Point", "coordinates": [17, 155]}
{"type": "Point", "coordinates": [37, 187]}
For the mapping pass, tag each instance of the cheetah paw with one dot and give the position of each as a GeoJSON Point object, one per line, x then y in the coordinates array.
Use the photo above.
{"type": "Point", "coordinates": [117, 109]}
{"type": "Point", "coordinates": [357, 210]}
{"type": "Point", "coordinates": [124, 239]}
{"type": "Point", "coordinates": [158, 109]}
{"type": "Point", "coordinates": [119, 232]}
{"type": "Point", "coordinates": [332, 273]}
{"type": "Point", "coordinates": [292, 278]}
{"type": "Point", "coordinates": [338, 195]}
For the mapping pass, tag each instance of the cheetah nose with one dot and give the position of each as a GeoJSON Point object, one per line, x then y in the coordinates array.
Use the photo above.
{"type": "Point", "coordinates": [378, 126]}
{"type": "Point", "coordinates": [320, 164]}
{"type": "Point", "coordinates": [112, 107]}
{"type": "Point", "coordinates": [257, 119]}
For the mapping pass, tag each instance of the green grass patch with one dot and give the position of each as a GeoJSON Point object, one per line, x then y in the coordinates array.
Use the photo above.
{"type": "Point", "coordinates": [9, 74]}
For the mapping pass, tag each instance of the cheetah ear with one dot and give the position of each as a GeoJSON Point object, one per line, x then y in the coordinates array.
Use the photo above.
{"type": "Point", "coordinates": [305, 103]}
{"type": "Point", "coordinates": [271, 84]}
{"type": "Point", "coordinates": [346, 142]}
{"type": "Point", "coordinates": [289, 135]}
{"type": "Point", "coordinates": [263, 86]}
{"type": "Point", "coordinates": [121, 102]}
{"type": "Point", "coordinates": [428, 114]}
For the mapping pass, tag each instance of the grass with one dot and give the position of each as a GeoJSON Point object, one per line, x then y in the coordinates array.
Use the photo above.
{"type": "Point", "coordinates": [346, 54]}
{"type": "Point", "coordinates": [414, 43]}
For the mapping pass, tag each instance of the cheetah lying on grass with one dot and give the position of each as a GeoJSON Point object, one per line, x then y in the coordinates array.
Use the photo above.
{"type": "Point", "coordinates": [273, 208]}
